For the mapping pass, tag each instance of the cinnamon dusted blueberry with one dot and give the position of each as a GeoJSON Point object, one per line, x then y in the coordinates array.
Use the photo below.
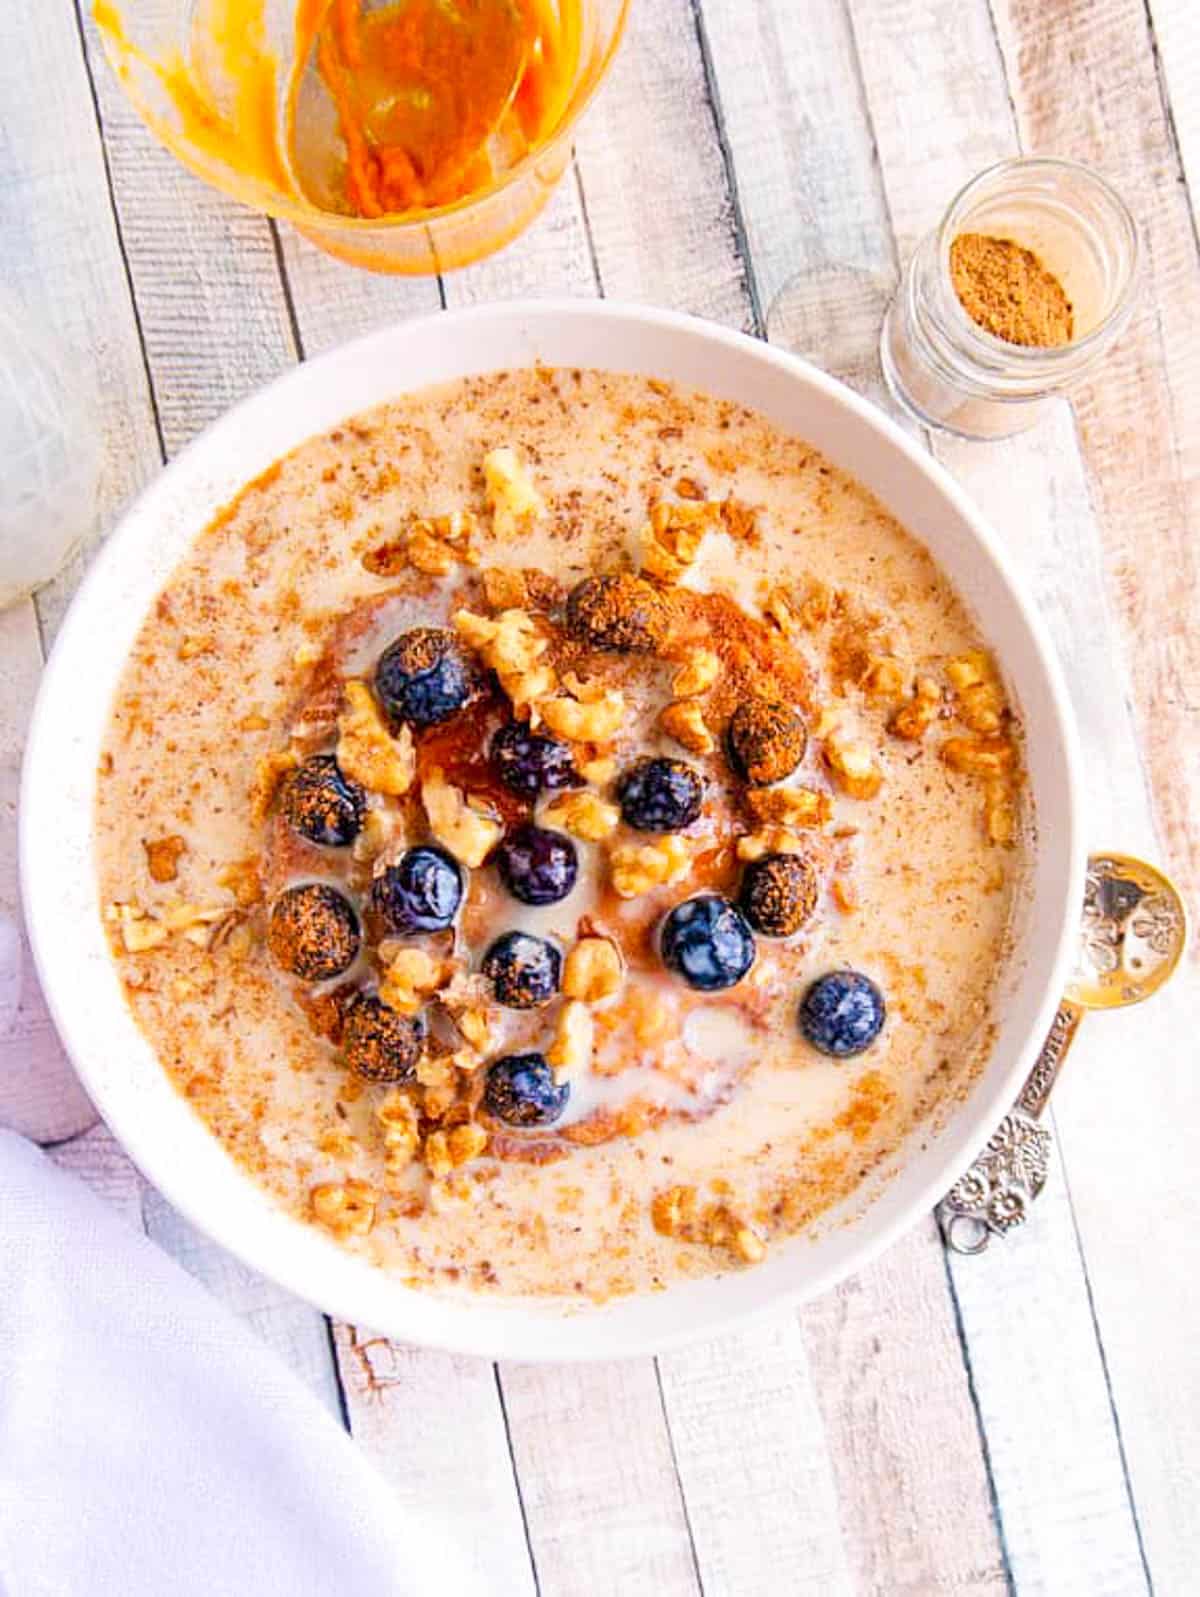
{"type": "Point", "coordinates": [779, 893]}
{"type": "Point", "coordinates": [380, 1045]}
{"type": "Point", "coordinates": [322, 804]}
{"type": "Point", "coordinates": [313, 932]}
{"type": "Point", "coordinates": [766, 740]}
{"type": "Point", "coordinates": [621, 613]}
{"type": "Point", "coordinates": [426, 676]}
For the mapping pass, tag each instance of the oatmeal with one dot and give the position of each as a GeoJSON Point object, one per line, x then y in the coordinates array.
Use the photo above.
{"type": "Point", "coordinates": [582, 848]}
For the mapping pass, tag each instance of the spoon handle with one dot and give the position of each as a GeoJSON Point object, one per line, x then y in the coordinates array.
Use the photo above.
{"type": "Point", "coordinates": [994, 1195]}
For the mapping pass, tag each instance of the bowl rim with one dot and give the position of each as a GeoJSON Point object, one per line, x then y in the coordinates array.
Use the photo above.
{"type": "Point", "coordinates": [542, 1338]}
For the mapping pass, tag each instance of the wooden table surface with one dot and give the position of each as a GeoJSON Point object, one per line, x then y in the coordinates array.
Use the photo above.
{"type": "Point", "coordinates": [1029, 1420]}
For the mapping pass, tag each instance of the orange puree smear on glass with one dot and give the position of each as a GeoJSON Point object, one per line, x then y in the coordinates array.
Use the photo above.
{"type": "Point", "coordinates": [435, 99]}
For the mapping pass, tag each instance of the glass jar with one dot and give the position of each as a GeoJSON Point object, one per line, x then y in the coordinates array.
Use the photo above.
{"type": "Point", "coordinates": [949, 372]}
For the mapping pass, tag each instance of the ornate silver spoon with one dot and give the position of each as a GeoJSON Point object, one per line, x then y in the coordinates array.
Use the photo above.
{"type": "Point", "coordinates": [1132, 936]}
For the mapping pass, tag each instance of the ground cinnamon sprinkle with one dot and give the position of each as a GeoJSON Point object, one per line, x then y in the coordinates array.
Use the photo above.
{"type": "Point", "coordinates": [1006, 289]}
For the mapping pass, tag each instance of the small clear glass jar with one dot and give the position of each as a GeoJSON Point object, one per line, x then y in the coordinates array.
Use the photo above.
{"type": "Point", "coordinates": [949, 372]}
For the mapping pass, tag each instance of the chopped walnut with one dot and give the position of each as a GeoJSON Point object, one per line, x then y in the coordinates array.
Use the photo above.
{"type": "Point", "coordinates": [571, 1051]}
{"type": "Point", "coordinates": [408, 980]}
{"type": "Point", "coordinates": [985, 756]}
{"type": "Point", "coordinates": [637, 867]}
{"type": "Point", "coordinates": [979, 697]}
{"type": "Point", "coordinates": [883, 678]}
{"type": "Point", "coordinates": [383, 832]}
{"type": "Point", "coordinates": [366, 750]}
{"type": "Point", "coordinates": [673, 1210]}
{"type": "Point", "coordinates": [429, 554]}
{"type": "Point", "coordinates": [778, 608]}
{"type": "Point", "coordinates": [337, 1144]}
{"type": "Point", "coordinates": [512, 645]}
{"type": "Point", "coordinates": [599, 771]}
{"type": "Point", "coordinates": [584, 815]}
{"type": "Point", "coordinates": [193, 645]}
{"type": "Point", "coordinates": [671, 539]}
{"type": "Point", "coordinates": [467, 832]}
{"type": "Point", "coordinates": [768, 840]}
{"type": "Point", "coordinates": [805, 807]}
{"type": "Point", "coordinates": [139, 932]}
{"type": "Point", "coordinates": [592, 971]}
{"type": "Point", "coordinates": [696, 674]}
{"type": "Point", "coordinates": [684, 721]}
{"type": "Point", "coordinates": [999, 811]}
{"type": "Point", "coordinates": [433, 545]}
{"type": "Point", "coordinates": [268, 773]}
{"type": "Point", "coordinates": [914, 718]}
{"type": "Point", "coordinates": [244, 881]}
{"type": "Point", "coordinates": [854, 767]}
{"type": "Point", "coordinates": [596, 722]}
{"type": "Point", "coordinates": [347, 1208]}
{"type": "Point", "coordinates": [398, 1120]}
{"type": "Point", "coordinates": [447, 1150]}
{"type": "Point", "coordinates": [476, 1027]}
{"type": "Point", "coordinates": [162, 857]}
{"type": "Point", "coordinates": [512, 498]}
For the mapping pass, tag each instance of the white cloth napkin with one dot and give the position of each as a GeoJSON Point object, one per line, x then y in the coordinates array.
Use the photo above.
{"type": "Point", "coordinates": [151, 1447]}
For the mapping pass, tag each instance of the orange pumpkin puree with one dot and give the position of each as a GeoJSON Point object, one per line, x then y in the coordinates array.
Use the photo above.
{"type": "Point", "coordinates": [434, 100]}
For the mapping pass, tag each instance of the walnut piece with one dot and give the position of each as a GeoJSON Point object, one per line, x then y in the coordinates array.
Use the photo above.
{"type": "Point", "coordinates": [447, 1150]}
{"type": "Point", "coordinates": [592, 970]}
{"type": "Point", "coordinates": [597, 722]}
{"type": "Point", "coordinates": [571, 1051]}
{"type": "Point", "coordinates": [684, 721]}
{"type": "Point", "coordinates": [244, 881]}
{"type": "Point", "coordinates": [268, 773]}
{"type": "Point", "coordinates": [512, 498]}
{"type": "Point", "coordinates": [696, 674]}
{"type": "Point", "coordinates": [139, 932]}
{"type": "Point", "coordinates": [999, 811]}
{"type": "Point", "coordinates": [468, 833]}
{"type": "Point", "coordinates": [980, 700]}
{"type": "Point", "coordinates": [675, 1213]}
{"type": "Point", "coordinates": [585, 815]}
{"type": "Point", "coordinates": [804, 807]}
{"type": "Point", "coordinates": [162, 857]}
{"type": "Point", "coordinates": [768, 840]}
{"type": "Point", "coordinates": [347, 1208]}
{"type": "Point", "coordinates": [366, 750]}
{"type": "Point", "coordinates": [854, 766]}
{"type": "Point", "coordinates": [671, 539]}
{"type": "Point", "coordinates": [512, 645]}
{"type": "Point", "coordinates": [409, 978]}
{"type": "Point", "coordinates": [398, 1120]}
{"type": "Point", "coordinates": [599, 771]}
{"type": "Point", "coordinates": [984, 756]}
{"type": "Point", "coordinates": [914, 718]}
{"type": "Point", "coordinates": [883, 678]}
{"type": "Point", "coordinates": [637, 867]}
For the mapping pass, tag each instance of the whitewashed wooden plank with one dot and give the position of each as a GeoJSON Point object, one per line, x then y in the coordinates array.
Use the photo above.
{"type": "Point", "coordinates": [903, 1434]}
{"type": "Point", "coordinates": [419, 1416]}
{"type": "Point", "coordinates": [553, 257]}
{"type": "Point", "coordinates": [763, 1513]}
{"type": "Point", "coordinates": [98, 1160]}
{"type": "Point", "coordinates": [213, 316]}
{"type": "Point", "coordinates": [598, 1480]}
{"type": "Point", "coordinates": [652, 175]}
{"type": "Point", "coordinates": [1176, 25]}
{"type": "Point", "coordinates": [334, 302]}
{"type": "Point", "coordinates": [61, 257]}
{"type": "Point", "coordinates": [1036, 489]}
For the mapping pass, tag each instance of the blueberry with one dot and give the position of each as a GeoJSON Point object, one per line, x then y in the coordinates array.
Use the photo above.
{"type": "Point", "coordinates": [529, 764]}
{"type": "Point", "coordinates": [660, 795]}
{"type": "Point", "coordinates": [536, 865]}
{"type": "Point", "coordinates": [779, 893]}
{"type": "Point", "coordinates": [524, 971]}
{"type": "Point", "coordinates": [426, 676]}
{"type": "Point", "coordinates": [421, 893]}
{"type": "Point", "coordinates": [707, 941]}
{"type": "Point", "coordinates": [842, 1013]}
{"type": "Point", "coordinates": [323, 805]}
{"type": "Point", "coordinates": [313, 932]}
{"type": "Point", "coordinates": [380, 1045]}
{"type": "Point", "coordinates": [521, 1090]}
{"type": "Point", "coordinates": [766, 740]}
{"type": "Point", "coordinates": [621, 613]}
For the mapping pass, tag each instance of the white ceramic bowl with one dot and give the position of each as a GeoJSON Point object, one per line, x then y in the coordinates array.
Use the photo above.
{"type": "Point", "coordinates": [155, 1124]}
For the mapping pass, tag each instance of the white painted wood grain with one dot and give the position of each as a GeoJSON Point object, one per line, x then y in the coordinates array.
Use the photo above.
{"type": "Point", "coordinates": [1176, 25]}
{"type": "Point", "coordinates": [903, 1433]}
{"type": "Point", "coordinates": [598, 1480]}
{"type": "Point", "coordinates": [757, 1479]}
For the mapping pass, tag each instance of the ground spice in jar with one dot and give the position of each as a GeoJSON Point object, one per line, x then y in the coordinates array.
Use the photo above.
{"type": "Point", "coordinates": [1007, 291]}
